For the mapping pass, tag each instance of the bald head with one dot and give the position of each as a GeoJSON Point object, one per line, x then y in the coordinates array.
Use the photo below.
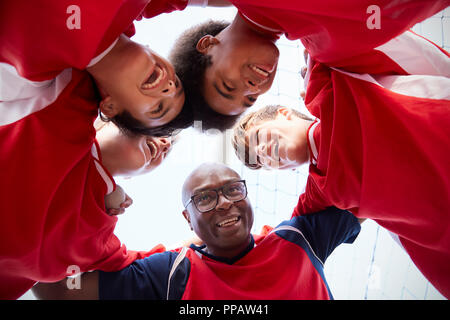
{"type": "Point", "coordinates": [205, 175]}
{"type": "Point", "coordinates": [225, 229]}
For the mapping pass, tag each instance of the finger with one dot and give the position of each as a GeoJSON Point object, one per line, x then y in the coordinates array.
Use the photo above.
{"type": "Point", "coordinates": [303, 94]}
{"type": "Point", "coordinates": [305, 56]}
{"type": "Point", "coordinates": [303, 71]}
{"type": "Point", "coordinates": [128, 202]}
{"type": "Point", "coordinates": [112, 212]}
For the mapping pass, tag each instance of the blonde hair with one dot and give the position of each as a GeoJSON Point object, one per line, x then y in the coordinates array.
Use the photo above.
{"type": "Point", "coordinates": [240, 142]}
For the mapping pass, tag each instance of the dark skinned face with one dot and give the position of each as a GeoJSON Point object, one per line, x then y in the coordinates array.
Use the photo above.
{"type": "Point", "coordinates": [226, 229]}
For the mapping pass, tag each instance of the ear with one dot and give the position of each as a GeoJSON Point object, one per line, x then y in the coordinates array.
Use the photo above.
{"type": "Point", "coordinates": [285, 112]}
{"type": "Point", "coordinates": [108, 107]}
{"type": "Point", "coordinates": [187, 217]}
{"type": "Point", "coordinates": [206, 42]}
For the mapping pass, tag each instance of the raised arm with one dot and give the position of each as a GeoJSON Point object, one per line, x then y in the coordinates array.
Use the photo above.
{"type": "Point", "coordinates": [67, 289]}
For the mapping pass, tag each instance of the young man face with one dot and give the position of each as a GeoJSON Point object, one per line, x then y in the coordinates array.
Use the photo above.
{"type": "Point", "coordinates": [280, 143]}
{"type": "Point", "coordinates": [225, 229]}
{"type": "Point", "coordinates": [136, 79]}
{"type": "Point", "coordinates": [243, 67]}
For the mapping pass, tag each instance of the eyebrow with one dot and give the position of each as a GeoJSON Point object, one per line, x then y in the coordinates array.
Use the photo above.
{"type": "Point", "coordinates": [229, 96]}
{"type": "Point", "coordinates": [206, 188]}
{"type": "Point", "coordinates": [223, 94]}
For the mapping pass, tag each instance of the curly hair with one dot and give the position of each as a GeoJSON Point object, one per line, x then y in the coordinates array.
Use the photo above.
{"type": "Point", "coordinates": [190, 66]}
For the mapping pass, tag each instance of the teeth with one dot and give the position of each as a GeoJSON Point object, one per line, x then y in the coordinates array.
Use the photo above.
{"type": "Point", "coordinates": [153, 149]}
{"type": "Point", "coordinates": [228, 221]}
{"type": "Point", "coordinates": [259, 71]}
{"type": "Point", "coordinates": [156, 82]}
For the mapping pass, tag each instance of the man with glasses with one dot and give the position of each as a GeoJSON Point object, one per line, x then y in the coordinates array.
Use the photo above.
{"type": "Point", "coordinates": [282, 263]}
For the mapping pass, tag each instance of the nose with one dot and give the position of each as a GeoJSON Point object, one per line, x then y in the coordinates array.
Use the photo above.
{"type": "Point", "coordinates": [223, 203]}
{"type": "Point", "coordinates": [169, 89]}
{"type": "Point", "coordinates": [252, 86]}
{"type": "Point", "coordinates": [164, 144]}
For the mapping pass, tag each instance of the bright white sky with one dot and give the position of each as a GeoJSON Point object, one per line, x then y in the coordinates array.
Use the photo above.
{"type": "Point", "coordinates": [155, 217]}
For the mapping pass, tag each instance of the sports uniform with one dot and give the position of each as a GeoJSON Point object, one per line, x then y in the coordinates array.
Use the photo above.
{"type": "Point", "coordinates": [285, 263]}
{"type": "Point", "coordinates": [334, 32]}
{"type": "Point", "coordinates": [53, 182]}
{"type": "Point", "coordinates": [381, 145]}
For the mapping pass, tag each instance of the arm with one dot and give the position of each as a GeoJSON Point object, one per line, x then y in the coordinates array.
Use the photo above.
{"type": "Point", "coordinates": [327, 229]}
{"type": "Point", "coordinates": [209, 3]}
{"type": "Point", "coordinates": [60, 290]}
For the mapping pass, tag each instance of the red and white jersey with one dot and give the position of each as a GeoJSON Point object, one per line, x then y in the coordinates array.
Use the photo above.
{"type": "Point", "coordinates": [333, 31]}
{"type": "Point", "coordinates": [381, 147]}
{"type": "Point", "coordinates": [42, 38]}
{"type": "Point", "coordinates": [53, 188]}
{"type": "Point", "coordinates": [285, 263]}
{"type": "Point", "coordinates": [53, 182]}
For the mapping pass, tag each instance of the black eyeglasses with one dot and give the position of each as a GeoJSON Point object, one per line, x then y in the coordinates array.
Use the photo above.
{"type": "Point", "coordinates": [207, 200]}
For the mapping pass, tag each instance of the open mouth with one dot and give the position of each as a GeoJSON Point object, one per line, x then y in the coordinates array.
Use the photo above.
{"type": "Point", "coordinates": [153, 149]}
{"type": "Point", "coordinates": [228, 222]}
{"type": "Point", "coordinates": [155, 78]}
{"type": "Point", "coordinates": [262, 71]}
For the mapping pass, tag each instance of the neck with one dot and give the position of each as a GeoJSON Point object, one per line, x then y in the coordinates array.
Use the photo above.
{"type": "Point", "coordinates": [107, 141]}
{"type": "Point", "coordinates": [102, 69]}
{"type": "Point", "coordinates": [302, 155]}
{"type": "Point", "coordinates": [229, 252]}
{"type": "Point", "coordinates": [241, 26]}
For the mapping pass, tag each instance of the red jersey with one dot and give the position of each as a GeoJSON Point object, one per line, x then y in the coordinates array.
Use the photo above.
{"type": "Point", "coordinates": [52, 39]}
{"type": "Point", "coordinates": [383, 111]}
{"type": "Point", "coordinates": [381, 149]}
{"type": "Point", "coordinates": [280, 264]}
{"type": "Point", "coordinates": [334, 32]}
{"type": "Point", "coordinates": [53, 182]}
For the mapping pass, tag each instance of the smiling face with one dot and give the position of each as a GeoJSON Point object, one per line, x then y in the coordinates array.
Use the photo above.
{"type": "Point", "coordinates": [226, 229]}
{"type": "Point", "coordinates": [278, 142]}
{"type": "Point", "coordinates": [125, 155]}
{"type": "Point", "coordinates": [134, 78]}
{"type": "Point", "coordinates": [243, 66]}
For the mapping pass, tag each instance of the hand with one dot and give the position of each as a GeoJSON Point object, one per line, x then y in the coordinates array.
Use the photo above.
{"type": "Point", "coordinates": [125, 204]}
{"type": "Point", "coordinates": [303, 71]}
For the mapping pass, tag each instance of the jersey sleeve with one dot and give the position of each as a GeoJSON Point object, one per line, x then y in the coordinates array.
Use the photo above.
{"type": "Point", "coordinates": [327, 229]}
{"type": "Point", "coordinates": [60, 34]}
{"type": "Point", "coordinates": [345, 29]}
{"type": "Point", "coordinates": [143, 279]}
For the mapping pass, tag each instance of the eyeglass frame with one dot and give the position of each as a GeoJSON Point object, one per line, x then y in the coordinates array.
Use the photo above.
{"type": "Point", "coordinates": [216, 190]}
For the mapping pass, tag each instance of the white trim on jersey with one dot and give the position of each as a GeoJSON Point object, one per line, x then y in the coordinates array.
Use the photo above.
{"type": "Point", "coordinates": [109, 183]}
{"type": "Point", "coordinates": [101, 55]}
{"type": "Point", "coordinates": [20, 97]}
{"type": "Point", "coordinates": [291, 228]}
{"type": "Point", "coordinates": [261, 25]}
{"type": "Point", "coordinates": [177, 261]}
{"type": "Point", "coordinates": [416, 55]}
{"type": "Point", "coordinates": [428, 66]}
{"type": "Point", "coordinates": [418, 86]}
{"type": "Point", "coordinates": [312, 143]}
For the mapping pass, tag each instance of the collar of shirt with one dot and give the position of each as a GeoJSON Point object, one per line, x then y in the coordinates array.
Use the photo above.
{"type": "Point", "coordinates": [201, 250]}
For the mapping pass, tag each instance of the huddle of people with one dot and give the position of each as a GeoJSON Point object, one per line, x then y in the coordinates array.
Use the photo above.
{"type": "Point", "coordinates": [81, 105]}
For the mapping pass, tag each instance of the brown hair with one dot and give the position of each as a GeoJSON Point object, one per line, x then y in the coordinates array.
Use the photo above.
{"type": "Point", "coordinates": [239, 139]}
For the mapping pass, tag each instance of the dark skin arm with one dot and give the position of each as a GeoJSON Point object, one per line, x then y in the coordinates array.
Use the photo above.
{"type": "Point", "coordinates": [60, 291]}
